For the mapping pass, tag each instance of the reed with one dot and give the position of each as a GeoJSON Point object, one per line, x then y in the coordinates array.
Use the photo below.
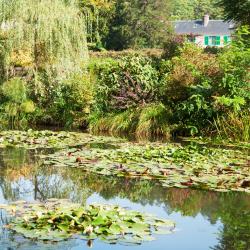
{"type": "Point", "coordinates": [233, 126]}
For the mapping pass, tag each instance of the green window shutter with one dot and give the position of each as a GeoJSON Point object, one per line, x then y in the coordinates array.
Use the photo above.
{"type": "Point", "coordinates": [217, 40]}
{"type": "Point", "coordinates": [225, 40]}
{"type": "Point", "coordinates": [206, 40]}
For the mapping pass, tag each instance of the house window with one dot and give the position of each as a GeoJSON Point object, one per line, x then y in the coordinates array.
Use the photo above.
{"type": "Point", "coordinates": [212, 40]}
{"type": "Point", "coordinates": [217, 41]}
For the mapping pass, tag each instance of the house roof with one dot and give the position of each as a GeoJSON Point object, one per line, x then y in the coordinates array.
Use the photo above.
{"type": "Point", "coordinates": [196, 27]}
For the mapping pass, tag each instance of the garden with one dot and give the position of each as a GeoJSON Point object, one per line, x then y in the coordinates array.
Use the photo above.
{"type": "Point", "coordinates": [114, 134]}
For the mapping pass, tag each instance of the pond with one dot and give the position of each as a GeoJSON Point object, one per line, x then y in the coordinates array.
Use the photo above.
{"type": "Point", "coordinates": [204, 219]}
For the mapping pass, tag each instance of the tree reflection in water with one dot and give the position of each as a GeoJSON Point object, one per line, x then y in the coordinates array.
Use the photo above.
{"type": "Point", "coordinates": [23, 177]}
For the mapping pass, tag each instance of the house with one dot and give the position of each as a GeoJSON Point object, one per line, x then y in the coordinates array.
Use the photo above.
{"type": "Point", "coordinates": [206, 32]}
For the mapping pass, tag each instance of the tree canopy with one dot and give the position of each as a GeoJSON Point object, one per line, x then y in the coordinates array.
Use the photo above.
{"type": "Point", "coordinates": [237, 10]}
{"type": "Point", "coordinates": [138, 24]}
{"type": "Point", "coordinates": [50, 33]}
{"type": "Point", "coordinates": [195, 9]}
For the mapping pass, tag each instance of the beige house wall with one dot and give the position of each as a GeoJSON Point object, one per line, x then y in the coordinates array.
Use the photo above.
{"type": "Point", "coordinates": [199, 40]}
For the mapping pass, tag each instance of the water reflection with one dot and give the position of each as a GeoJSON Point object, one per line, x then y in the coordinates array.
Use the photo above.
{"type": "Point", "coordinates": [228, 214]}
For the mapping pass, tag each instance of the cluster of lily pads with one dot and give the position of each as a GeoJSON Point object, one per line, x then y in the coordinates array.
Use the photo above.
{"type": "Point", "coordinates": [217, 142]}
{"type": "Point", "coordinates": [172, 165]}
{"type": "Point", "coordinates": [49, 139]}
{"type": "Point", "coordinates": [58, 220]}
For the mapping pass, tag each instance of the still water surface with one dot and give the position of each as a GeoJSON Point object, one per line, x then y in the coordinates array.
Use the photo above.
{"type": "Point", "coordinates": [205, 220]}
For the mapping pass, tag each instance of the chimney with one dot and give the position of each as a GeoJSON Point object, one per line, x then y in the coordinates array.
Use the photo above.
{"type": "Point", "coordinates": [206, 20]}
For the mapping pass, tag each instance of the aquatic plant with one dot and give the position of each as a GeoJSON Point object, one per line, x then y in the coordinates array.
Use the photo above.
{"type": "Point", "coordinates": [50, 139]}
{"type": "Point", "coordinates": [58, 220]}
{"type": "Point", "coordinates": [172, 165]}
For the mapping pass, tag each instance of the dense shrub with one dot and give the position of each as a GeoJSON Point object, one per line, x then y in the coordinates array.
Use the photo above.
{"type": "Point", "coordinates": [49, 102]}
{"type": "Point", "coordinates": [127, 93]}
{"type": "Point", "coordinates": [151, 53]}
{"type": "Point", "coordinates": [65, 103]}
{"type": "Point", "coordinates": [124, 84]}
{"type": "Point", "coordinates": [172, 46]}
{"type": "Point", "coordinates": [15, 104]}
{"type": "Point", "coordinates": [233, 90]}
{"type": "Point", "coordinates": [191, 68]}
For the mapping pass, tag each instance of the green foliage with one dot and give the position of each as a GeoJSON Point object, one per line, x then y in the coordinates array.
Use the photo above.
{"type": "Point", "coordinates": [138, 24]}
{"type": "Point", "coordinates": [195, 86]}
{"type": "Point", "coordinates": [44, 42]}
{"type": "Point", "coordinates": [98, 15]}
{"type": "Point", "coordinates": [183, 90]}
{"type": "Point", "coordinates": [127, 83]}
{"type": "Point", "coordinates": [15, 105]}
{"type": "Point", "coordinates": [120, 24]}
{"type": "Point", "coordinates": [234, 61]}
{"type": "Point", "coordinates": [234, 103]}
{"type": "Point", "coordinates": [236, 10]}
{"type": "Point", "coordinates": [195, 9]}
{"type": "Point", "coordinates": [70, 101]}
{"type": "Point", "coordinates": [127, 94]}
{"type": "Point", "coordinates": [192, 68]}
{"type": "Point", "coordinates": [201, 86]}
{"type": "Point", "coordinates": [116, 124]}
{"type": "Point", "coordinates": [154, 119]}
{"type": "Point", "coordinates": [172, 46]}
{"type": "Point", "coordinates": [15, 90]}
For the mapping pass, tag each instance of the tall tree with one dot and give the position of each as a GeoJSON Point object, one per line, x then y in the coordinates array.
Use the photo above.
{"type": "Point", "coordinates": [50, 33]}
{"type": "Point", "coordinates": [195, 9]}
{"type": "Point", "coordinates": [139, 23]}
{"type": "Point", "coordinates": [237, 10]}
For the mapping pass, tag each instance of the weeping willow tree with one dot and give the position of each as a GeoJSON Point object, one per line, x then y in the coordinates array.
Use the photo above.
{"type": "Point", "coordinates": [42, 35]}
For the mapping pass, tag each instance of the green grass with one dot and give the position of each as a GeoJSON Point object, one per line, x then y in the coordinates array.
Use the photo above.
{"type": "Point", "coordinates": [151, 120]}
{"type": "Point", "coordinates": [233, 126]}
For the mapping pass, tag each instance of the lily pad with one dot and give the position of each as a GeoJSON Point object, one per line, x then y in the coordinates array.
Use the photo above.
{"type": "Point", "coordinates": [60, 220]}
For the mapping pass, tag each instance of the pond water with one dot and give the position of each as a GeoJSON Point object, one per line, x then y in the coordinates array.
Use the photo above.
{"type": "Point", "coordinates": [204, 220]}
